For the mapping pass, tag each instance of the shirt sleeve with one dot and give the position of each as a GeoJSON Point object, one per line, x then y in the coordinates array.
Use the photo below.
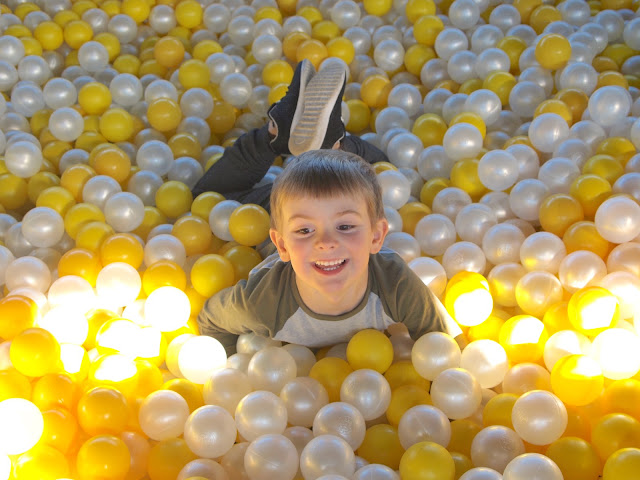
{"type": "Point", "coordinates": [255, 305]}
{"type": "Point", "coordinates": [409, 301]}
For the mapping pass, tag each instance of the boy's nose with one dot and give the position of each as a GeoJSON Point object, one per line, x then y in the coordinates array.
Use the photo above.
{"type": "Point", "coordinates": [326, 239]}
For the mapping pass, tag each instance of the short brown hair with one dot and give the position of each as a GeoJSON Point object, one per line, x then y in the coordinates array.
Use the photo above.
{"type": "Point", "coordinates": [326, 173]}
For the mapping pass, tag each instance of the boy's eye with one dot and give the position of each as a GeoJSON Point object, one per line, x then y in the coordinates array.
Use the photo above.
{"type": "Point", "coordinates": [303, 231]}
{"type": "Point", "coordinates": [345, 227]}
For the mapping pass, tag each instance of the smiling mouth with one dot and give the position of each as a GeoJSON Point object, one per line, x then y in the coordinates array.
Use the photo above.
{"type": "Point", "coordinates": [331, 265]}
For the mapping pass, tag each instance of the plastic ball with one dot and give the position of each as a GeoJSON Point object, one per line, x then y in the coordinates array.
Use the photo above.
{"type": "Point", "coordinates": [395, 188]}
{"type": "Point", "coordinates": [368, 391]}
{"type": "Point", "coordinates": [463, 256]}
{"type": "Point", "coordinates": [270, 369]}
{"type": "Point", "coordinates": [23, 158]}
{"type": "Point", "coordinates": [24, 423]}
{"type": "Point", "coordinates": [167, 309]}
{"type": "Point", "coordinates": [487, 361]}
{"type": "Point", "coordinates": [343, 420]}
{"type": "Point", "coordinates": [532, 466]}
{"type": "Point", "coordinates": [615, 219]}
{"type": "Point", "coordinates": [42, 227]}
{"type": "Point", "coordinates": [494, 447]}
{"type": "Point", "coordinates": [105, 455]}
{"type": "Point", "coordinates": [433, 426]}
{"type": "Point", "coordinates": [621, 464]}
{"type": "Point", "coordinates": [609, 105]}
{"type": "Point", "coordinates": [456, 393]}
{"type": "Point", "coordinates": [260, 413]}
{"type": "Point", "coordinates": [210, 431]}
{"type": "Point", "coordinates": [481, 473]}
{"type": "Point", "coordinates": [269, 455]}
{"type": "Point", "coordinates": [124, 211]}
{"type": "Point", "coordinates": [427, 460]}
{"type": "Point", "coordinates": [526, 197]}
{"type": "Point", "coordinates": [162, 415]}
{"type": "Point", "coordinates": [219, 218]}
{"type": "Point", "coordinates": [607, 347]}
{"type": "Point", "coordinates": [199, 357]}
{"type": "Point", "coordinates": [97, 190]}
{"type": "Point", "coordinates": [304, 397]}
{"type": "Point", "coordinates": [327, 454]}
{"type": "Point", "coordinates": [462, 140]}
{"type": "Point", "coordinates": [370, 349]}
{"type": "Point", "coordinates": [577, 379]}
{"type": "Point", "coordinates": [435, 233]}
{"type": "Point", "coordinates": [249, 224]}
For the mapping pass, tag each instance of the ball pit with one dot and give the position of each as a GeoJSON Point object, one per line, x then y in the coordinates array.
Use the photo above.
{"type": "Point", "coordinates": [512, 190]}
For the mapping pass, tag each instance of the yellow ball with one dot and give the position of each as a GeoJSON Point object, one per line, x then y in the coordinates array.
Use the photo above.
{"type": "Point", "coordinates": [164, 114]}
{"type": "Point", "coordinates": [174, 199]}
{"type": "Point", "coordinates": [370, 349]}
{"type": "Point", "coordinates": [138, 10]}
{"type": "Point", "coordinates": [34, 352]}
{"type": "Point", "coordinates": [243, 259]}
{"type": "Point", "coordinates": [94, 98]}
{"type": "Point", "coordinates": [416, 56]}
{"type": "Point", "coordinates": [49, 34]}
{"type": "Point", "coordinates": [498, 409]}
{"type": "Point", "coordinates": [577, 380]}
{"type": "Point", "coordinates": [249, 224]}
{"type": "Point", "coordinates": [403, 398]}
{"type": "Point", "coordinates": [188, 13]}
{"type": "Point", "coordinates": [418, 8]}
{"type": "Point", "coordinates": [576, 458]}
{"type": "Point", "coordinates": [116, 125]}
{"type": "Point", "coordinates": [194, 233]}
{"type": "Point", "coordinates": [588, 320]}
{"type": "Point", "coordinates": [275, 72]}
{"type": "Point", "coordinates": [604, 166]}
{"type": "Point", "coordinates": [342, 48]}
{"type": "Point", "coordinates": [331, 372]}
{"type": "Point", "coordinates": [359, 115]}
{"type": "Point", "coordinates": [78, 215]}
{"type": "Point", "coordinates": [211, 273]}
{"type": "Point", "coordinates": [194, 74]}
{"type": "Point", "coordinates": [204, 203]}
{"type": "Point", "coordinates": [553, 51]}
{"type": "Point", "coordinates": [622, 465]}
{"type": "Point", "coordinates": [523, 338]}
{"type": "Point", "coordinates": [169, 52]}
{"type": "Point", "coordinates": [613, 432]}
{"type": "Point", "coordinates": [374, 90]}
{"type": "Point", "coordinates": [464, 175]}
{"type": "Point", "coordinates": [585, 236]}
{"type": "Point", "coordinates": [427, 28]}
{"type": "Point", "coordinates": [558, 212]}
{"type": "Point", "coordinates": [103, 456]}
{"type": "Point", "coordinates": [590, 190]}
{"type": "Point", "coordinates": [382, 445]}
{"type": "Point", "coordinates": [427, 461]}
{"type": "Point", "coordinates": [76, 33]}
{"type": "Point", "coordinates": [313, 50]}
{"type": "Point", "coordinates": [377, 7]}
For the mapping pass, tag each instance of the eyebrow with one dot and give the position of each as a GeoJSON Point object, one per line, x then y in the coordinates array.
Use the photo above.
{"type": "Point", "coordinates": [339, 214]}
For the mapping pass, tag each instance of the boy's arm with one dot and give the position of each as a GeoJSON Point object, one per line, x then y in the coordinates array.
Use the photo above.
{"type": "Point", "coordinates": [368, 151]}
{"type": "Point", "coordinates": [228, 314]}
{"type": "Point", "coordinates": [241, 166]}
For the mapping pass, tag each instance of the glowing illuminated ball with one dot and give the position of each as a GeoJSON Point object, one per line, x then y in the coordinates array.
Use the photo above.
{"type": "Point", "coordinates": [617, 350]}
{"type": "Point", "coordinates": [23, 426]}
{"type": "Point", "coordinates": [427, 461]}
{"type": "Point", "coordinates": [118, 283]}
{"type": "Point", "coordinates": [370, 349]}
{"type": "Point", "coordinates": [17, 313]}
{"type": "Point", "coordinates": [35, 352]}
{"type": "Point", "coordinates": [523, 337]}
{"type": "Point", "coordinates": [199, 357]}
{"type": "Point", "coordinates": [249, 224]}
{"type": "Point", "coordinates": [592, 310]}
{"type": "Point", "coordinates": [577, 380]}
{"type": "Point", "coordinates": [465, 289]}
{"type": "Point", "coordinates": [487, 361]}
{"type": "Point", "coordinates": [167, 309]}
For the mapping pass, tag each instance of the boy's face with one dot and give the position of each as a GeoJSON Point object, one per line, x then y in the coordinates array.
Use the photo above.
{"type": "Point", "coordinates": [328, 242]}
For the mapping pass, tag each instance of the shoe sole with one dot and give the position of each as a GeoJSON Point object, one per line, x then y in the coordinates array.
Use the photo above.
{"type": "Point", "coordinates": [309, 126]}
{"type": "Point", "coordinates": [307, 72]}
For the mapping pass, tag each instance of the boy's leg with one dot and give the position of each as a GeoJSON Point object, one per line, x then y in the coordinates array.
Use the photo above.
{"type": "Point", "coordinates": [245, 163]}
{"type": "Point", "coordinates": [284, 113]}
{"type": "Point", "coordinates": [318, 120]}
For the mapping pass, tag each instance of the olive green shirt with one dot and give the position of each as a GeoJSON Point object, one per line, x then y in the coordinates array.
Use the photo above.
{"type": "Point", "coordinates": [269, 304]}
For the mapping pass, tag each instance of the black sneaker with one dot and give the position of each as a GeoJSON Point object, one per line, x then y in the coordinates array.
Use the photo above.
{"type": "Point", "coordinates": [319, 124]}
{"type": "Point", "coordinates": [285, 112]}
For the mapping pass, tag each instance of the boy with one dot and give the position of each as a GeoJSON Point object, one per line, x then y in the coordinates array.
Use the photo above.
{"type": "Point", "coordinates": [308, 117]}
{"type": "Point", "coordinates": [329, 278]}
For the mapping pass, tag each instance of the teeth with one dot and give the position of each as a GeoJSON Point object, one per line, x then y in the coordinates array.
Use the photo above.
{"type": "Point", "coordinates": [329, 264]}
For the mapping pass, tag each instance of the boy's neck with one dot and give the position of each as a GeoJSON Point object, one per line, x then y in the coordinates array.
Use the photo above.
{"type": "Point", "coordinates": [335, 304]}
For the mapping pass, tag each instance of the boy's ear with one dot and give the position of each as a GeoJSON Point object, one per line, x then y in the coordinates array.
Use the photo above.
{"type": "Point", "coordinates": [278, 241]}
{"type": "Point", "coordinates": [380, 231]}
